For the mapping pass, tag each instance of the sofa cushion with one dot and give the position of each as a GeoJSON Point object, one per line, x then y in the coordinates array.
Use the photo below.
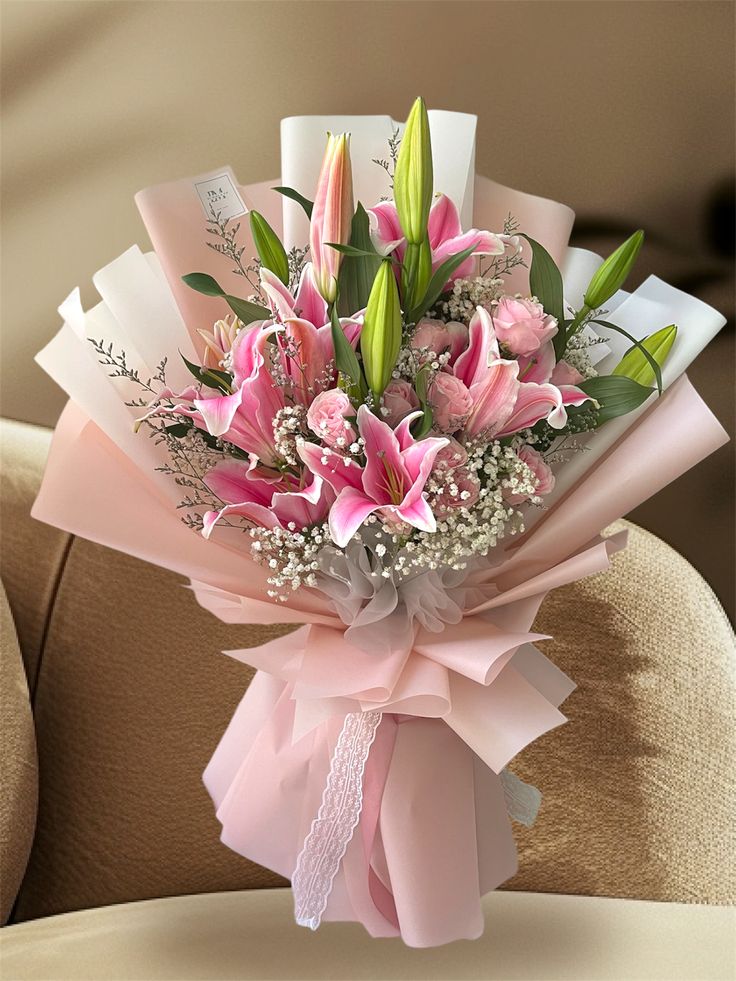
{"type": "Point", "coordinates": [253, 935]}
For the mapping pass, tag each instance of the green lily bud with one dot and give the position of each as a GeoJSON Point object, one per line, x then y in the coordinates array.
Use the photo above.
{"type": "Point", "coordinates": [413, 177]}
{"type": "Point", "coordinates": [268, 245]}
{"type": "Point", "coordinates": [634, 363]}
{"type": "Point", "coordinates": [380, 338]}
{"type": "Point", "coordinates": [612, 274]}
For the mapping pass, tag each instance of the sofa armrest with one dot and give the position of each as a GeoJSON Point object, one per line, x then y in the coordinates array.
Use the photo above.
{"type": "Point", "coordinates": [18, 765]}
{"type": "Point", "coordinates": [32, 554]}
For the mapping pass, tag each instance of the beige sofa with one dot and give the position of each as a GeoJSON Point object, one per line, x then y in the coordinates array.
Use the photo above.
{"type": "Point", "coordinates": [114, 696]}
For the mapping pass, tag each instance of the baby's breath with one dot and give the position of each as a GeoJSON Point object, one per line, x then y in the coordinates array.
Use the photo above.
{"type": "Point", "coordinates": [467, 294]}
{"type": "Point", "coordinates": [491, 474]}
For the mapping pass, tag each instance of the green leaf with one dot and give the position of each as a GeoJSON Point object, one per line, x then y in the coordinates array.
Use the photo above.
{"type": "Point", "coordinates": [193, 368]}
{"type": "Point", "coordinates": [244, 310]}
{"type": "Point", "coordinates": [424, 424]}
{"type": "Point", "coordinates": [615, 394]}
{"type": "Point", "coordinates": [357, 272]}
{"type": "Point", "coordinates": [268, 245]}
{"type": "Point", "coordinates": [222, 376]}
{"type": "Point", "coordinates": [545, 282]}
{"type": "Point", "coordinates": [643, 351]}
{"type": "Point", "coordinates": [345, 357]}
{"type": "Point", "coordinates": [210, 377]}
{"type": "Point", "coordinates": [203, 283]}
{"type": "Point", "coordinates": [179, 429]}
{"type": "Point", "coordinates": [353, 251]}
{"type": "Point", "coordinates": [289, 192]}
{"type": "Point", "coordinates": [637, 365]}
{"type": "Point", "coordinates": [437, 283]}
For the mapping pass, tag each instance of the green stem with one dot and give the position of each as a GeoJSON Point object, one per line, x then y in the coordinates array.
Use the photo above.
{"type": "Point", "coordinates": [578, 321]}
{"type": "Point", "coordinates": [416, 273]}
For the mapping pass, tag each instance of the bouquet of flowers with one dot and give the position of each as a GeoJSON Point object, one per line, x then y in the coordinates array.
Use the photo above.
{"type": "Point", "coordinates": [399, 433]}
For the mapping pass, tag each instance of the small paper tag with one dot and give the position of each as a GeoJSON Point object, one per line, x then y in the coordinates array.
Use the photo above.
{"type": "Point", "coordinates": [219, 196]}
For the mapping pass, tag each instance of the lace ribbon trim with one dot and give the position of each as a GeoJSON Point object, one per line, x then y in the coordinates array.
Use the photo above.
{"type": "Point", "coordinates": [338, 815]}
{"type": "Point", "coordinates": [522, 799]}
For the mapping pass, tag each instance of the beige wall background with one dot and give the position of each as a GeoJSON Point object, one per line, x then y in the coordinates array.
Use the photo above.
{"type": "Point", "coordinates": [624, 110]}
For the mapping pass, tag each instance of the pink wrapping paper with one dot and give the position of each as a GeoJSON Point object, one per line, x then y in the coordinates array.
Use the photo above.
{"type": "Point", "coordinates": [434, 834]}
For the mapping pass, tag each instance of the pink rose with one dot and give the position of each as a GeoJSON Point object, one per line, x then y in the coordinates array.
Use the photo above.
{"type": "Point", "coordinates": [450, 401]}
{"type": "Point", "coordinates": [327, 418]}
{"type": "Point", "coordinates": [522, 325]}
{"type": "Point", "coordinates": [461, 489]}
{"type": "Point", "coordinates": [399, 399]}
{"type": "Point", "coordinates": [451, 456]}
{"type": "Point", "coordinates": [543, 476]}
{"type": "Point", "coordinates": [565, 374]}
{"type": "Point", "coordinates": [437, 336]}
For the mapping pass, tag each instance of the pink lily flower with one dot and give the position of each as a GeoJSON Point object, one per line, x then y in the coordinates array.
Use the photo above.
{"type": "Point", "coordinates": [307, 354]}
{"type": "Point", "coordinates": [263, 502]}
{"type": "Point", "coordinates": [544, 391]}
{"type": "Point", "coordinates": [535, 402]}
{"type": "Point", "coordinates": [308, 302]}
{"type": "Point", "coordinates": [391, 483]}
{"type": "Point", "coordinates": [509, 395]}
{"type": "Point", "coordinates": [332, 214]}
{"type": "Point", "coordinates": [493, 382]}
{"type": "Point", "coordinates": [446, 236]}
{"type": "Point", "coordinates": [245, 416]}
{"type": "Point", "coordinates": [219, 341]}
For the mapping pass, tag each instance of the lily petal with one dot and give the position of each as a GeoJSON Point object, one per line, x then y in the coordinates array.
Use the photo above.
{"type": "Point", "coordinates": [444, 221]}
{"type": "Point", "coordinates": [306, 507]}
{"type": "Point", "coordinates": [309, 352]}
{"type": "Point", "coordinates": [535, 402]}
{"type": "Point", "coordinates": [351, 328]}
{"type": "Point", "coordinates": [339, 471]}
{"type": "Point", "coordinates": [309, 303]}
{"type": "Point", "coordinates": [485, 243]}
{"type": "Point", "coordinates": [482, 349]}
{"type": "Point", "coordinates": [419, 514]}
{"type": "Point", "coordinates": [403, 430]}
{"type": "Point", "coordinates": [248, 351]}
{"type": "Point", "coordinates": [385, 478]}
{"type": "Point", "coordinates": [259, 515]}
{"type": "Point", "coordinates": [385, 228]}
{"type": "Point", "coordinates": [348, 513]}
{"type": "Point", "coordinates": [494, 398]}
{"type": "Point", "coordinates": [229, 480]}
{"type": "Point", "coordinates": [418, 460]}
{"type": "Point", "coordinates": [571, 395]}
{"type": "Point", "coordinates": [282, 302]}
{"type": "Point", "coordinates": [218, 413]}
{"type": "Point", "coordinates": [539, 366]}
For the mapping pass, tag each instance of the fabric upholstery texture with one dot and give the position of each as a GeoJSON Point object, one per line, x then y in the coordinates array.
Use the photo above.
{"type": "Point", "coordinates": [31, 554]}
{"type": "Point", "coordinates": [252, 935]}
{"type": "Point", "coordinates": [639, 785]}
{"type": "Point", "coordinates": [132, 696]}
{"type": "Point", "coordinates": [18, 766]}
